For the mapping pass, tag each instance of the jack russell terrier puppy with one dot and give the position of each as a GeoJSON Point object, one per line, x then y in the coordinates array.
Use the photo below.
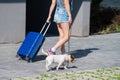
{"type": "Point", "coordinates": [62, 60]}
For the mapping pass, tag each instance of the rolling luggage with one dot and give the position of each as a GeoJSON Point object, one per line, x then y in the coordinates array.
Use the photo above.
{"type": "Point", "coordinates": [32, 43]}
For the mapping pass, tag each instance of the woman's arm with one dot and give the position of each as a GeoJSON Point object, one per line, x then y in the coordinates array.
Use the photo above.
{"type": "Point", "coordinates": [51, 10]}
{"type": "Point", "coordinates": [67, 7]}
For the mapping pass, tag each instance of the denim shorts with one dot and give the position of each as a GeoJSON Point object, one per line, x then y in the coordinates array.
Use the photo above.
{"type": "Point", "coordinates": [60, 15]}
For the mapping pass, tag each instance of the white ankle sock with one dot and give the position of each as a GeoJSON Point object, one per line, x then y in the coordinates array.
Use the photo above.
{"type": "Point", "coordinates": [53, 49]}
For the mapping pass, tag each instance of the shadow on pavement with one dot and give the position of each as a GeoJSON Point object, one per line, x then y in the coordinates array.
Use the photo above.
{"type": "Point", "coordinates": [39, 58]}
{"type": "Point", "coordinates": [76, 54]}
{"type": "Point", "coordinates": [82, 53]}
{"type": "Point", "coordinates": [61, 68]}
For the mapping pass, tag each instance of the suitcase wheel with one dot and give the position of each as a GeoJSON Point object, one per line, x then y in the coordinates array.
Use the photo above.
{"type": "Point", "coordinates": [28, 59]}
{"type": "Point", "coordinates": [17, 56]}
{"type": "Point", "coordinates": [20, 58]}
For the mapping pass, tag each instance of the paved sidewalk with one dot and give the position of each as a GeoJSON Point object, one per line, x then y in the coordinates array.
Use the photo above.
{"type": "Point", "coordinates": [93, 52]}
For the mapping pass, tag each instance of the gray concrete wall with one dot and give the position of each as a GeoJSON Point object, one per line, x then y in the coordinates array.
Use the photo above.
{"type": "Point", "coordinates": [12, 21]}
{"type": "Point", "coordinates": [13, 13]}
{"type": "Point", "coordinates": [81, 17]}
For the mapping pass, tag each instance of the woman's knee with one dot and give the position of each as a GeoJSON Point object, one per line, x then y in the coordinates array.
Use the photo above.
{"type": "Point", "coordinates": [66, 38]}
{"type": "Point", "coordinates": [61, 36]}
{"type": "Point", "coordinates": [64, 31]}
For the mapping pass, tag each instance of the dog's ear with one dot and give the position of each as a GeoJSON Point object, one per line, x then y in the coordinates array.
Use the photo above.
{"type": "Point", "coordinates": [72, 58]}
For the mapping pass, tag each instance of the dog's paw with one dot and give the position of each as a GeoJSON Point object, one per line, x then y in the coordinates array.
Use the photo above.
{"type": "Point", "coordinates": [65, 67]}
{"type": "Point", "coordinates": [57, 69]}
{"type": "Point", "coordinates": [47, 70]}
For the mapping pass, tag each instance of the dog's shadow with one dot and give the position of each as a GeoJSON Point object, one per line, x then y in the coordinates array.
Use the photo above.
{"type": "Point", "coordinates": [62, 68]}
{"type": "Point", "coordinates": [82, 52]}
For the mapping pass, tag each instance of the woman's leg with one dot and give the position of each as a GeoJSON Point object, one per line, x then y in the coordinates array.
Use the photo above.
{"type": "Point", "coordinates": [64, 27]}
{"type": "Point", "coordinates": [61, 36]}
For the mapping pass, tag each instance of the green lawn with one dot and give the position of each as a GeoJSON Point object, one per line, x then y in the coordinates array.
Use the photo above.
{"type": "Point", "coordinates": [100, 74]}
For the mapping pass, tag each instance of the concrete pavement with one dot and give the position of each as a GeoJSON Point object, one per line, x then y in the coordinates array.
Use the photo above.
{"type": "Point", "coordinates": [93, 52]}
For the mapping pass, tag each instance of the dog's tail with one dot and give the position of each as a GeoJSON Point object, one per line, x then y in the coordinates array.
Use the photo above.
{"type": "Point", "coordinates": [44, 52]}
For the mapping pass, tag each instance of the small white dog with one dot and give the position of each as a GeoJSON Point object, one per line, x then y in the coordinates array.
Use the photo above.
{"type": "Point", "coordinates": [62, 60]}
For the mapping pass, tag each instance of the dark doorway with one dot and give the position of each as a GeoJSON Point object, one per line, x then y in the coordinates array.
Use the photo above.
{"type": "Point", "coordinates": [36, 15]}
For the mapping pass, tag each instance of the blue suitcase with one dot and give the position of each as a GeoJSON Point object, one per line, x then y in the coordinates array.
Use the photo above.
{"type": "Point", "coordinates": [31, 45]}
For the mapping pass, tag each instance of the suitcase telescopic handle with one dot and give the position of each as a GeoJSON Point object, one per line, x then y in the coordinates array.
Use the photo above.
{"type": "Point", "coordinates": [44, 28]}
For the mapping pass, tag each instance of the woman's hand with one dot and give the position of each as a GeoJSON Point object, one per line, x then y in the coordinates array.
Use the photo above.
{"type": "Point", "coordinates": [48, 19]}
{"type": "Point", "coordinates": [70, 19]}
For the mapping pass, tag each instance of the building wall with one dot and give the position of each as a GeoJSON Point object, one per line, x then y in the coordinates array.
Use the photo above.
{"type": "Point", "coordinates": [81, 18]}
{"type": "Point", "coordinates": [12, 21]}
